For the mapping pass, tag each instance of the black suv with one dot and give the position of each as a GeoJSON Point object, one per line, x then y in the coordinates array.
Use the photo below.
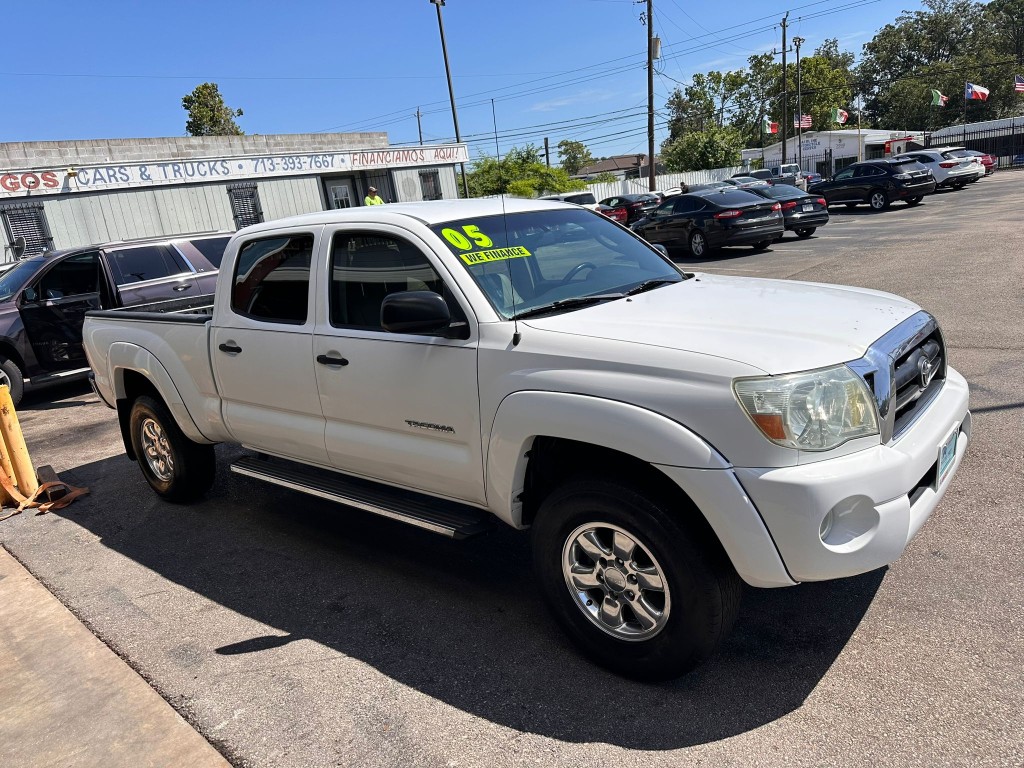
{"type": "Point", "coordinates": [43, 299]}
{"type": "Point", "coordinates": [877, 183]}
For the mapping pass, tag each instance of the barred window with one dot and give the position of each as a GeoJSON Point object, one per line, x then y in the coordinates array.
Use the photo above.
{"type": "Point", "coordinates": [245, 204]}
{"type": "Point", "coordinates": [430, 185]}
{"type": "Point", "coordinates": [27, 220]}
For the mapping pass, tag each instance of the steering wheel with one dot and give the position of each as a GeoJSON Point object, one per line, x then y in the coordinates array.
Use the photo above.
{"type": "Point", "coordinates": [577, 269]}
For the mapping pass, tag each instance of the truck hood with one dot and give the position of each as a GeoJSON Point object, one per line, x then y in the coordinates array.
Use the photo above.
{"type": "Point", "coordinates": [779, 326]}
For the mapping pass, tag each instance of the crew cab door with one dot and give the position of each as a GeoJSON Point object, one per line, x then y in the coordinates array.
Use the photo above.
{"type": "Point", "coordinates": [401, 408]}
{"type": "Point", "coordinates": [53, 310]}
{"type": "Point", "coordinates": [148, 273]}
{"type": "Point", "coordinates": [261, 345]}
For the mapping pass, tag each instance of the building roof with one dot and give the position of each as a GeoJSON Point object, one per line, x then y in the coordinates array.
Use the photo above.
{"type": "Point", "coordinates": [616, 163]}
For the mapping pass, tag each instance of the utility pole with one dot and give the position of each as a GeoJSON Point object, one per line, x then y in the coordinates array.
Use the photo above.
{"type": "Point", "coordinates": [785, 86]}
{"type": "Point", "coordinates": [797, 42]}
{"type": "Point", "coordinates": [419, 125]}
{"type": "Point", "coordinates": [650, 95]}
{"type": "Point", "coordinates": [547, 152]}
{"type": "Point", "coordinates": [451, 91]}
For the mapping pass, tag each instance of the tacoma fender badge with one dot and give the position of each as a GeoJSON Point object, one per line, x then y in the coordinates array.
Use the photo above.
{"type": "Point", "coordinates": [429, 426]}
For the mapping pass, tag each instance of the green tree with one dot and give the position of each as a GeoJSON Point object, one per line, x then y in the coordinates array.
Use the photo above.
{"type": "Point", "coordinates": [708, 101]}
{"type": "Point", "coordinates": [711, 148]}
{"type": "Point", "coordinates": [519, 173]}
{"type": "Point", "coordinates": [574, 155]}
{"type": "Point", "coordinates": [208, 115]}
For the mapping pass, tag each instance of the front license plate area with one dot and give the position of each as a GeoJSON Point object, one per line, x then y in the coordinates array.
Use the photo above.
{"type": "Point", "coordinates": [947, 454]}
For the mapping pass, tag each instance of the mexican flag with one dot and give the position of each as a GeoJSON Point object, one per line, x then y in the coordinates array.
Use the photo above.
{"type": "Point", "coordinates": [769, 127]}
{"type": "Point", "coordinates": [839, 115]}
{"type": "Point", "coordinates": [975, 92]}
{"type": "Point", "coordinates": [938, 100]}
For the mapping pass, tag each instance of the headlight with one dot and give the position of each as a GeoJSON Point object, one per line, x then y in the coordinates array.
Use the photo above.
{"type": "Point", "coordinates": [812, 411]}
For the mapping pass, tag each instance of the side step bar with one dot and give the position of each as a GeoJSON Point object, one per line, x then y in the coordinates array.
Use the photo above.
{"type": "Point", "coordinates": [448, 518]}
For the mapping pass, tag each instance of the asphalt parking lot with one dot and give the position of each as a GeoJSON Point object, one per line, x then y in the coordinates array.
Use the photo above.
{"type": "Point", "coordinates": [293, 633]}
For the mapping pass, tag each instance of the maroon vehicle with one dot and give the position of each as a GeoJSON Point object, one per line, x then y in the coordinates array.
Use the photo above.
{"type": "Point", "coordinates": [43, 299]}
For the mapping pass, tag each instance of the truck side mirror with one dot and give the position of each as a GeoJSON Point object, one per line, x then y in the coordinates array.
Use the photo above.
{"type": "Point", "coordinates": [414, 312]}
{"type": "Point", "coordinates": [30, 294]}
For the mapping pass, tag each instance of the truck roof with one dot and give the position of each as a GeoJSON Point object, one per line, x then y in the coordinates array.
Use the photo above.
{"type": "Point", "coordinates": [429, 213]}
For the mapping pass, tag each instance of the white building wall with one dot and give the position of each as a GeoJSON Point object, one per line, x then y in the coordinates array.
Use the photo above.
{"type": "Point", "coordinates": [408, 187]}
{"type": "Point", "coordinates": [289, 196]}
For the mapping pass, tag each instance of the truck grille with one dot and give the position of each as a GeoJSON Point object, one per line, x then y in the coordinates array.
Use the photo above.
{"type": "Point", "coordinates": [905, 369]}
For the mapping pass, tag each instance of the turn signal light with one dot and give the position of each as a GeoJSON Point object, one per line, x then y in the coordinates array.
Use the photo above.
{"type": "Point", "coordinates": [786, 206]}
{"type": "Point", "coordinates": [778, 207]}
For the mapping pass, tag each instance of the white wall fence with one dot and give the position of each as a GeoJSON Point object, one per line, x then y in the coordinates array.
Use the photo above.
{"type": "Point", "coordinates": [662, 182]}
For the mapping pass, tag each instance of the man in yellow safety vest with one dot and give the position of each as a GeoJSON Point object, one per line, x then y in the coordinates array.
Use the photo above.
{"type": "Point", "coordinates": [372, 198]}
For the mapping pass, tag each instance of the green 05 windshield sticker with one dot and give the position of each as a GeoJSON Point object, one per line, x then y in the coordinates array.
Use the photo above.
{"type": "Point", "coordinates": [498, 254]}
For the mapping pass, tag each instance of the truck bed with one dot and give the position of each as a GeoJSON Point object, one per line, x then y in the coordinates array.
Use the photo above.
{"type": "Point", "coordinates": [191, 309]}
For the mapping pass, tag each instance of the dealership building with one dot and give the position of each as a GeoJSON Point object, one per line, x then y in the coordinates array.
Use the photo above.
{"type": "Point", "coordinates": [59, 194]}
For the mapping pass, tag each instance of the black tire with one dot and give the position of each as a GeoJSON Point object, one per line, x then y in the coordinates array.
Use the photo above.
{"type": "Point", "coordinates": [959, 184]}
{"type": "Point", "coordinates": [878, 200]}
{"type": "Point", "coordinates": [703, 591]}
{"type": "Point", "coordinates": [762, 245]}
{"type": "Point", "coordinates": [192, 466]}
{"type": "Point", "coordinates": [912, 201]}
{"type": "Point", "coordinates": [11, 375]}
{"type": "Point", "coordinates": [805, 232]}
{"type": "Point", "coordinates": [698, 244]}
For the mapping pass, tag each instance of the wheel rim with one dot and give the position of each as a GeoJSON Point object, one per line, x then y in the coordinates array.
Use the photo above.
{"type": "Point", "coordinates": [877, 200]}
{"type": "Point", "coordinates": [157, 450]}
{"type": "Point", "coordinates": [5, 380]}
{"type": "Point", "coordinates": [697, 245]}
{"type": "Point", "coordinates": [616, 582]}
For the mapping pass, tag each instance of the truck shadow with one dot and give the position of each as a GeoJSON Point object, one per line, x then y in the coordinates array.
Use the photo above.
{"type": "Point", "coordinates": [462, 622]}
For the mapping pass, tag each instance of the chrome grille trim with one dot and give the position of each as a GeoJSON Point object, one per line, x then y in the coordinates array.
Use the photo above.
{"type": "Point", "coordinates": [878, 370]}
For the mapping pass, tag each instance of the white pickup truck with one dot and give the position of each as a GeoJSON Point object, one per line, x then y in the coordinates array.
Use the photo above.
{"type": "Point", "coordinates": [664, 434]}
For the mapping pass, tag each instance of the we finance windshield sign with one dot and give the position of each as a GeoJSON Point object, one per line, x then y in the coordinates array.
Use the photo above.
{"type": "Point", "coordinates": [99, 178]}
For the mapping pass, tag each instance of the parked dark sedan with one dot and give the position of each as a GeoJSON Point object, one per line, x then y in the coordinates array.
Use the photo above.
{"type": "Point", "coordinates": [803, 212]}
{"type": "Point", "coordinates": [704, 220]}
{"type": "Point", "coordinates": [877, 183]}
{"type": "Point", "coordinates": [637, 205]}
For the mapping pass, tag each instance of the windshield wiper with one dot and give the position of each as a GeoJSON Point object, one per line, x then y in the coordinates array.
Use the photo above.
{"type": "Point", "coordinates": [646, 285]}
{"type": "Point", "coordinates": [577, 301]}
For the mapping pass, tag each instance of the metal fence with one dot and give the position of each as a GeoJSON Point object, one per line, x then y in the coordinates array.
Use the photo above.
{"type": "Point", "coordinates": [1005, 144]}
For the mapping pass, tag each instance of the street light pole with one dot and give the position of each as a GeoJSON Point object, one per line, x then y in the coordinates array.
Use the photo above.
{"type": "Point", "coordinates": [451, 91]}
{"type": "Point", "coordinates": [650, 95]}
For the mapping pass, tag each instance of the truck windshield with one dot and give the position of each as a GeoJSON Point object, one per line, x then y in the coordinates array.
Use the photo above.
{"type": "Point", "coordinates": [15, 277]}
{"type": "Point", "coordinates": [527, 261]}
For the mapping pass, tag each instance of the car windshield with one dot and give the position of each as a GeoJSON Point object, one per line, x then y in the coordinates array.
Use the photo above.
{"type": "Point", "coordinates": [906, 165]}
{"type": "Point", "coordinates": [15, 277]}
{"type": "Point", "coordinates": [733, 198]}
{"type": "Point", "coordinates": [554, 259]}
{"type": "Point", "coordinates": [586, 198]}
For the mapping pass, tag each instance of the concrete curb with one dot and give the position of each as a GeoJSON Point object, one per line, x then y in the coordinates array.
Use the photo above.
{"type": "Point", "coordinates": [67, 700]}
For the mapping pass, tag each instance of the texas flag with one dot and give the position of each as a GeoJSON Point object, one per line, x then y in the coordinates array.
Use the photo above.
{"type": "Point", "coordinates": [975, 92]}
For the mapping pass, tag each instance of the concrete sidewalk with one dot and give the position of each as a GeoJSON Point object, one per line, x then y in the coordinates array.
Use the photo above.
{"type": "Point", "coordinates": [68, 700]}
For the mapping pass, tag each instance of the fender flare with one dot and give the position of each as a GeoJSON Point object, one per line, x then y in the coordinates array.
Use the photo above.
{"type": "Point", "coordinates": [125, 356]}
{"type": "Point", "coordinates": [641, 433]}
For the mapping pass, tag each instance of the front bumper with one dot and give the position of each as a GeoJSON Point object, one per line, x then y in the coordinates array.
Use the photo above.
{"type": "Point", "coordinates": [878, 498]}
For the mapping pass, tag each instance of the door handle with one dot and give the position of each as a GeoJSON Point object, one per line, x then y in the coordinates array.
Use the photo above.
{"type": "Point", "coordinates": [231, 349]}
{"type": "Point", "coordinates": [181, 287]}
{"type": "Point", "coordinates": [327, 360]}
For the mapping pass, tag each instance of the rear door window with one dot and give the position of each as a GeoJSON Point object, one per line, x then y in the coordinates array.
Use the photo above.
{"type": "Point", "coordinates": [145, 262]}
{"type": "Point", "coordinates": [271, 280]}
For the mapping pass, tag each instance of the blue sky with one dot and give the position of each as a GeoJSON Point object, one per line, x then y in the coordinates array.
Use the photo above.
{"type": "Point", "coordinates": [562, 68]}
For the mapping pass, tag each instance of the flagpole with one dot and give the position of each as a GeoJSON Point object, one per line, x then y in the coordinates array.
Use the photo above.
{"type": "Point", "coordinates": [860, 144]}
{"type": "Point", "coordinates": [965, 111]}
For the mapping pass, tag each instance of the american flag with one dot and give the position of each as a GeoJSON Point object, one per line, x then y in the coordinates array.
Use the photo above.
{"type": "Point", "coordinates": [1018, 84]}
{"type": "Point", "coordinates": [804, 121]}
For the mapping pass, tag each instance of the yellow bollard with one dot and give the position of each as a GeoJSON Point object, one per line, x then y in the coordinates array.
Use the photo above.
{"type": "Point", "coordinates": [15, 452]}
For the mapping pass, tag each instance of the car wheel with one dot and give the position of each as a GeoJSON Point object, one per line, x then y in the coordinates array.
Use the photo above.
{"type": "Point", "coordinates": [636, 589]}
{"type": "Point", "coordinates": [879, 201]}
{"type": "Point", "coordinates": [698, 244]}
{"type": "Point", "coordinates": [915, 200]}
{"type": "Point", "coordinates": [959, 184]}
{"type": "Point", "coordinates": [177, 468]}
{"type": "Point", "coordinates": [805, 232]}
{"type": "Point", "coordinates": [763, 245]}
{"type": "Point", "coordinates": [13, 378]}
